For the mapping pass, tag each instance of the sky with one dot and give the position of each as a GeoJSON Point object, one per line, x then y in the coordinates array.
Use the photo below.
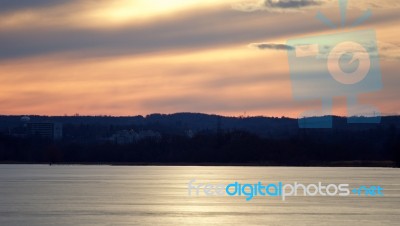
{"type": "Point", "coordinates": [131, 57]}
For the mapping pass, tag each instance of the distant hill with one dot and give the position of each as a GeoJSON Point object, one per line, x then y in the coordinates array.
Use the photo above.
{"type": "Point", "coordinates": [263, 126]}
{"type": "Point", "coordinates": [194, 138]}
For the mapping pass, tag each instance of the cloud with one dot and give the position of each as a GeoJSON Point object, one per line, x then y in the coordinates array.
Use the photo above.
{"type": "Point", "coordinates": [389, 51]}
{"type": "Point", "coordinates": [382, 50]}
{"type": "Point", "coordinates": [12, 5]}
{"type": "Point", "coordinates": [188, 31]}
{"type": "Point", "coordinates": [383, 4]}
{"type": "Point", "coordinates": [385, 50]}
{"type": "Point", "coordinates": [278, 5]}
{"type": "Point", "coordinates": [271, 46]}
{"type": "Point", "coordinates": [288, 4]}
{"type": "Point", "coordinates": [284, 6]}
{"type": "Point", "coordinates": [180, 62]}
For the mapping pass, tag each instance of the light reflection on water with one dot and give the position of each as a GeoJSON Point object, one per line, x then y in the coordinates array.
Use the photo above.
{"type": "Point", "coordinates": [151, 195]}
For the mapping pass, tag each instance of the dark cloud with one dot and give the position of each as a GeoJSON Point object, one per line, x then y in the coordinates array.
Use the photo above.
{"type": "Point", "coordinates": [290, 4]}
{"type": "Point", "coordinates": [187, 32]}
{"type": "Point", "coordinates": [271, 46]}
{"type": "Point", "coordinates": [14, 5]}
{"type": "Point", "coordinates": [190, 31]}
{"type": "Point", "coordinates": [278, 5]}
{"type": "Point", "coordinates": [296, 5]}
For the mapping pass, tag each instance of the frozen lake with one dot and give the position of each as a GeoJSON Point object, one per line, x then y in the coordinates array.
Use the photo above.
{"type": "Point", "coordinates": [158, 195]}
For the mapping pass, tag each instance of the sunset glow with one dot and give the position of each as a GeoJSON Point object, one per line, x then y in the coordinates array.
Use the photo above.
{"type": "Point", "coordinates": [141, 57]}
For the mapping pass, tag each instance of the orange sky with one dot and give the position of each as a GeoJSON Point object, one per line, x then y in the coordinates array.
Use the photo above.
{"type": "Point", "coordinates": [146, 56]}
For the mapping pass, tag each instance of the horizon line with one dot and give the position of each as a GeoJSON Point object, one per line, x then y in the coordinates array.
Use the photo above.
{"type": "Point", "coordinates": [208, 114]}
